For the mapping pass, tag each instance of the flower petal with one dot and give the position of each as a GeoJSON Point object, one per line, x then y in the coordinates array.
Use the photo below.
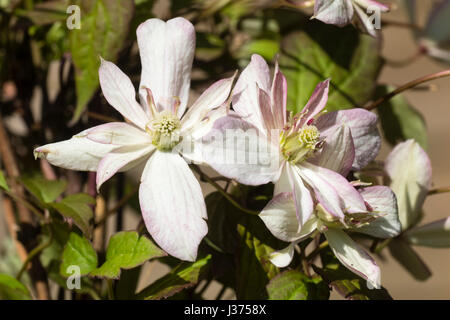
{"type": "Point", "coordinates": [435, 234]}
{"type": "Point", "coordinates": [120, 93]}
{"type": "Point", "coordinates": [337, 12]}
{"type": "Point", "coordinates": [78, 153]}
{"type": "Point", "coordinates": [283, 257]}
{"type": "Point", "coordinates": [211, 98]}
{"type": "Point", "coordinates": [118, 133]}
{"type": "Point", "coordinates": [236, 150]}
{"type": "Point", "coordinates": [316, 103]}
{"type": "Point", "coordinates": [353, 257]}
{"type": "Point", "coordinates": [280, 217]}
{"type": "Point", "coordinates": [172, 205]}
{"type": "Point", "coordinates": [279, 97]}
{"type": "Point", "coordinates": [338, 151]}
{"type": "Point", "coordinates": [409, 170]}
{"type": "Point", "coordinates": [121, 159]}
{"type": "Point", "coordinates": [302, 196]}
{"type": "Point", "coordinates": [245, 95]}
{"type": "Point", "coordinates": [366, 23]}
{"type": "Point", "coordinates": [167, 52]}
{"type": "Point", "coordinates": [363, 126]}
{"type": "Point", "coordinates": [383, 201]}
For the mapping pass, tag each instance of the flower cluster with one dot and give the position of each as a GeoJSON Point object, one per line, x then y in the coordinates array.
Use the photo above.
{"type": "Point", "coordinates": [308, 156]}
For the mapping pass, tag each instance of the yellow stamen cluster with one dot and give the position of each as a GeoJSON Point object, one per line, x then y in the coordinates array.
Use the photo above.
{"type": "Point", "coordinates": [165, 130]}
{"type": "Point", "coordinates": [297, 146]}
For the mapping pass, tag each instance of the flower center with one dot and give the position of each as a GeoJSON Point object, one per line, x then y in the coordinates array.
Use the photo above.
{"type": "Point", "coordinates": [297, 146]}
{"type": "Point", "coordinates": [164, 130]}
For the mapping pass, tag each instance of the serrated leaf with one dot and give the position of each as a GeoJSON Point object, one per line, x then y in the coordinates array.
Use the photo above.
{"type": "Point", "coordinates": [3, 183]}
{"type": "Point", "coordinates": [400, 121]}
{"type": "Point", "coordinates": [409, 259]}
{"type": "Point", "coordinates": [322, 51]}
{"type": "Point", "coordinates": [345, 282]}
{"type": "Point", "coordinates": [12, 289]}
{"type": "Point", "coordinates": [294, 285]}
{"type": "Point", "coordinates": [76, 207]}
{"type": "Point", "coordinates": [44, 190]}
{"type": "Point", "coordinates": [254, 269]}
{"type": "Point", "coordinates": [126, 250]}
{"type": "Point", "coordinates": [185, 275]}
{"type": "Point", "coordinates": [78, 253]}
{"type": "Point", "coordinates": [104, 29]}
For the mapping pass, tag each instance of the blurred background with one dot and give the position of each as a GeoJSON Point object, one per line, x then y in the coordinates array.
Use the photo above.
{"type": "Point", "coordinates": [38, 105]}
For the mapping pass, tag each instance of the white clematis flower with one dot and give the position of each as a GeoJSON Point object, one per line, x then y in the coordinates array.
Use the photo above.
{"type": "Point", "coordinates": [306, 155]}
{"type": "Point", "coordinates": [170, 196]}
{"type": "Point", "coordinates": [342, 12]}
{"type": "Point", "coordinates": [379, 219]}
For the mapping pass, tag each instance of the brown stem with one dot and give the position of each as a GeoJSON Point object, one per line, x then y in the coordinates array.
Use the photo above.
{"type": "Point", "coordinates": [439, 190]}
{"type": "Point", "coordinates": [118, 205]}
{"type": "Point", "coordinates": [407, 86]}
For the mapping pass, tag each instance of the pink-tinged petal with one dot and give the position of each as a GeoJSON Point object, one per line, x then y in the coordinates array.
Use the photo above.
{"type": "Point", "coordinates": [172, 205]}
{"type": "Point", "coordinates": [353, 256]}
{"type": "Point", "coordinates": [366, 23]}
{"type": "Point", "coordinates": [363, 126]}
{"type": "Point", "coordinates": [409, 259]}
{"type": "Point", "coordinates": [118, 133]}
{"type": "Point", "coordinates": [120, 93]}
{"type": "Point", "coordinates": [237, 150]}
{"type": "Point", "coordinates": [325, 193]}
{"type": "Point", "coordinates": [316, 102]}
{"type": "Point", "coordinates": [284, 182]}
{"type": "Point", "coordinates": [302, 196]}
{"type": "Point", "coordinates": [78, 153]}
{"type": "Point", "coordinates": [280, 217]}
{"type": "Point", "coordinates": [212, 98]}
{"type": "Point", "coordinates": [279, 97]}
{"type": "Point", "coordinates": [338, 151]}
{"type": "Point", "coordinates": [266, 111]}
{"type": "Point", "coordinates": [167, 52]}
{"type": "Point", "coordinates": [383, 202]}
{"type": "Point", "coordinates": [435, 234]}
{"type": "Point", "coordinates": [121, 159]}
{"type": "Point", "coordinates": [409, 170]}
{"type": "Point", "coordinates": [283, 257]}
{"type": "Point", "coordinates": [245, 94]}
{"type": "Point", "coordinates": [337, 12]}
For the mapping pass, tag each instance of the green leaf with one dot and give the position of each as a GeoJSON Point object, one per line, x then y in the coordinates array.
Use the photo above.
{"type": "Point", "coordinates": [3, 183]}
{"type": "Point", "coordinates": [79, 253]}
{"type": "Point", "coordinates": [345, 282]}
{"type": "Point", "coordinates": [46, 191]}
{"type": "Point", "coordinates": [294, 285]}
{"type": "Point", "coordinates": [185, 275]}
{"type": "Point", "coordinates": [409, 259]}
{"type": "Point", "coordinates": [126, 250]}
{"type": "Point", "coordinates": [254, 269]}
{"type": "Point", "coordinates": [12, 289]}
{"type": "Point", "coordinates": [46, 12]}
{"type": "Point", "coordinates": [76, 207]}
{"type": "Point", "coordinates": [399, 120]}
{"type": "Point", "coordinates": [321, 51]}
{"type": "Point", "coordinates": [104, 29]}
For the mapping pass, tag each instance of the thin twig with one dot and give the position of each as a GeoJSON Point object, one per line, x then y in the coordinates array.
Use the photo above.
{"type": "Point", "coordinates": [33, 253]}
{"type": "Point", "coordinates": [230, 199]}
{"type": "Point", "coordinates": [439, 191]}
{"type": "Point", "coordinates": [407, 86]}
{"type": "Point", "coordinates": [317, 250]}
